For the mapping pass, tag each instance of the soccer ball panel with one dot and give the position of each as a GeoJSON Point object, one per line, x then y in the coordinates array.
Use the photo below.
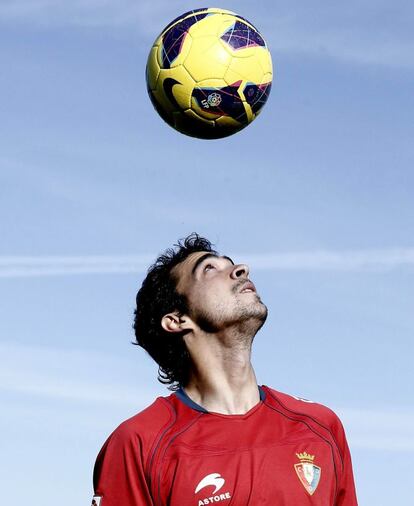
{"type": "Point", "coordinates": [240, 36]}
{"type": "Point", "coordinates": [153, 68]}
{"type": "Point", "coordinates": [256, 95]}
{"type": "Point", "coordinates": [207, 49]}
{"type": "Point", "coordinates": [174, 46]}
{"type": "Point", "coordinates": [229, 123]}
{"type": "Point", "coordinates": [265, 61]}
{"type": "Point", "coordinates": [200, 127]}
{"type": "Point", "coordinates": [191, 113]}
{"type": "Point", "coordinates": [173, 54]}
{"type": "Point", "coordinates": [246, 70]}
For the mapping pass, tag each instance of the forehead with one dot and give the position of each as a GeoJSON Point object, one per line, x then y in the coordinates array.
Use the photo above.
{"type": "Point", "coordinates": [184, 269]}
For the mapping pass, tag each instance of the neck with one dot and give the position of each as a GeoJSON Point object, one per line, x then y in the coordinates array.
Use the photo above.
{"type": "Point", "coordinates": [222, 379]}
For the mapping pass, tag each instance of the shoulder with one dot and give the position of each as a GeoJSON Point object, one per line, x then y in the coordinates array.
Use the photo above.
{"type": "Point", "coordinates": [147, 423]}
{"type": "Point", "coordinates": [291, 405]}
{"type": "Point", "coordinates": [142, 429]}
{"type": "Point", "coordinates": [125, 453]}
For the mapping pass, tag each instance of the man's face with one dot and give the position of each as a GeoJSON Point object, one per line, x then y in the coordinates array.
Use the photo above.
{"type": "Point", "coordinates": [219, 293]}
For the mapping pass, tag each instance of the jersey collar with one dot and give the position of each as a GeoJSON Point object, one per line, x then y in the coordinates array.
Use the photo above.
{"type": "Point", "coordinates": [181, 394]}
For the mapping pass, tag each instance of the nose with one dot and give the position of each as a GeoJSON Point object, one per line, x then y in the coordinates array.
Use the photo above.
{"type": "Point", "coordinates": [240, 271]}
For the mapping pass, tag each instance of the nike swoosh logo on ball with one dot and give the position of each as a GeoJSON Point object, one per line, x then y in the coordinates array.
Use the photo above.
{"type": "Point", "coordinates": [168, 86]}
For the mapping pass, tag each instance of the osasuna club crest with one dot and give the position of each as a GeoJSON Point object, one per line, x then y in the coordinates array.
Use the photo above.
{"type": "Point", "coordinates": [308, 473]}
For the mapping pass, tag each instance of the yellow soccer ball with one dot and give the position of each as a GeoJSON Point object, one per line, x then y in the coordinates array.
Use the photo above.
{"type": "Point", "coordinates": [209, 73]}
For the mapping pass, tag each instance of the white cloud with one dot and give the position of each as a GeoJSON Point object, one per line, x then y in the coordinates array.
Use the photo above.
{"type": "Point", "coordinates": [320, 260]}
{"type": "Point", "coordinates": [378, 429]}
{"type": "Point", "coordinates": [36, 384]}
{"type": "Point", "coordinates": [11, 267]}
{"type": "Point", "coordinates": [357, 260]}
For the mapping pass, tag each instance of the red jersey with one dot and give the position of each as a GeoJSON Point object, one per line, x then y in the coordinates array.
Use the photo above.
{"type": "Point", "coordinates": [284, 451]}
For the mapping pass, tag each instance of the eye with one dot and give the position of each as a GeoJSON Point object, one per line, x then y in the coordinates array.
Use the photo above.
{"type": "Point", "coordinates": [208, 267]}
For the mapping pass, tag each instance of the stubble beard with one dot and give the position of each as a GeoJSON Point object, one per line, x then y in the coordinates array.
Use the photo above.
{"type": "Point", "coordinates": [245, 321]}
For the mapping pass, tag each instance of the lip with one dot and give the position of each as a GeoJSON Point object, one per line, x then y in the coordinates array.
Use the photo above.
{"type": "Point", "coordinates": [248, 286]}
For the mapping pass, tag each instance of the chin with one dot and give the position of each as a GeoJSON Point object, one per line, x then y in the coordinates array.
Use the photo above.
{"type": "Point", "coordinates": [258, 309]}
{"type": "Point", "coordinates": [262, 315]}
{"type": "Point", "coordinates": [254, 316]}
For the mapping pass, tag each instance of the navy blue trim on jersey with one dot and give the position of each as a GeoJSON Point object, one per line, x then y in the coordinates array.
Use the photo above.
{"type": "Point", "coordinates": [262, 394]}
{"type": "Point", "coordinates": [182, 395]}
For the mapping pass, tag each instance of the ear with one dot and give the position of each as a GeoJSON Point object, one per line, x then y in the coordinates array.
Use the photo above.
{"type": "Point", "coordinates": [174, 322]}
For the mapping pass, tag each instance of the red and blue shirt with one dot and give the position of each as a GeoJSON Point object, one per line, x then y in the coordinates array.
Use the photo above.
{"type": "Point", "coordinates": [284, 451]}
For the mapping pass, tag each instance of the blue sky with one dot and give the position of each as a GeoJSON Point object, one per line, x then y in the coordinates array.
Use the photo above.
{"type": "Point", "coordinates": [316, 195]}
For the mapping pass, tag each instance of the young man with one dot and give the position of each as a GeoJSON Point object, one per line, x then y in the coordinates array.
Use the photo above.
{"type": "Point", "coordinates": [219, 438]}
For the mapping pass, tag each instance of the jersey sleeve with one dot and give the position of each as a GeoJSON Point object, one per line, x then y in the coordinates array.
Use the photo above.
{"type": "Point", "coordinates": [346, 490]}
{"type": "Point", "coordinates": [118, 477]}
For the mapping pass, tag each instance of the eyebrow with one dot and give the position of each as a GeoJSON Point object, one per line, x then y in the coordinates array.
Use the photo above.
{"type": "Point", "coordinates": [205, 257]}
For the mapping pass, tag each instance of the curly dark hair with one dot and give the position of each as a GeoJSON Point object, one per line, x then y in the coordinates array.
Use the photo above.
{"type": "Point", "coordinates": [157, 297]}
